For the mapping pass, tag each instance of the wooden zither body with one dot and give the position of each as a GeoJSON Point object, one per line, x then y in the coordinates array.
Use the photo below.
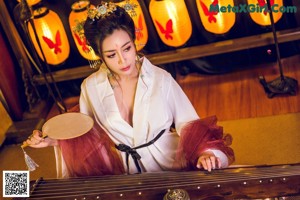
{"type": "Point", "coordinates": [260, 182]}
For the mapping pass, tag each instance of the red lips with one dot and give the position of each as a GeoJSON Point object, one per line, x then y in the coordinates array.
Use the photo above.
{"type": "Point", "coordinates": [125, 68]}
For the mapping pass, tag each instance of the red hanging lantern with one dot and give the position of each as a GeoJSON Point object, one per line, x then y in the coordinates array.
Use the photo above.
{"type": "Point", "coordinates": [141, 30]}
{"type": "Point", "coordinates": [263, 18]}
{"type": "Point", "coordinates": [214, 21]}
{"type": "Point", "coordinates": [78, 17]}
{"type": "Point", "coordinates": [52, 36]}
{"type": "Point", "coordinates": [172, 21]}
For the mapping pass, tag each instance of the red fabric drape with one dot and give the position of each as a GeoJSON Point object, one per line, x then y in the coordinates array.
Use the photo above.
{"type": "Point", "coordinates": [91, 154]}
{"type": "Point", "coordinates": [198, 136]}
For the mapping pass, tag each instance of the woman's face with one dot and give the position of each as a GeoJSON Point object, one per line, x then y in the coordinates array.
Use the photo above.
{"type": "Point", "coordinates": [119, 53]}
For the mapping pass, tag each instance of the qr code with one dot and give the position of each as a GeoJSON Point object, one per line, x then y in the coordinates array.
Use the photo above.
{"type": "Point", "coordinates": [16, 183]}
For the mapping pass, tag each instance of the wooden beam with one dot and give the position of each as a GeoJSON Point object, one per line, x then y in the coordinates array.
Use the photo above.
{"type": "Point", "coordinates": [226, 46]}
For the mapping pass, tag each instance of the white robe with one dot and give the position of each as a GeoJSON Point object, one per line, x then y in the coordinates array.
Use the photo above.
{"type": "Point", "coordinates": [159, 101]}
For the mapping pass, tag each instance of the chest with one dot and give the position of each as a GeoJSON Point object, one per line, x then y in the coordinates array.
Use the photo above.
{"type": "Point", "coordinates": [125, 97]}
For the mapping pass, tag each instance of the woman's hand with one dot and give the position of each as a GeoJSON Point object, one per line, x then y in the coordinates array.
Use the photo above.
{"type": "Point", "coordinates": [37, 140]}
{"type": "Point", "coordinates": [208, 161]}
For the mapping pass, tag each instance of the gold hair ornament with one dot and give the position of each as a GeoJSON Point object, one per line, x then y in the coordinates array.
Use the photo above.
{"type": "Point", "coordinates": [107, 8]}
{"type": "Point", "coordinates": [101, 10]}
{"type": "Point", "coordinates": [130, 8]}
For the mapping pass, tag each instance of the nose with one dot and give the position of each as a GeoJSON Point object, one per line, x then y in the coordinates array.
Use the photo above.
{"type": "Point", "coordinates": [121, 58]}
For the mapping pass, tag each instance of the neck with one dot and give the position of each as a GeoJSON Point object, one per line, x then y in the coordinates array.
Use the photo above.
{"type": "Point", "coordinates": [117, 79]}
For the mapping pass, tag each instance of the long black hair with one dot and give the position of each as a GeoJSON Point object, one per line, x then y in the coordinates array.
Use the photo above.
{"type": "Point", "coordinates": [96, 30]}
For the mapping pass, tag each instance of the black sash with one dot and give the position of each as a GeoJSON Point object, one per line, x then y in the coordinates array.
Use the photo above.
{"type": "Point", "coordinates": [132, 151]}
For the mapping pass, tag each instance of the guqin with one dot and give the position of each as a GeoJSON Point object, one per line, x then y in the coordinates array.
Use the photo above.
{"type": "Point", "coordinates": [259, 182]}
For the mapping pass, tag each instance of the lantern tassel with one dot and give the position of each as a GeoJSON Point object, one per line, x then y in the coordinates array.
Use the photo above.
{"type": "Point", "coordinates": [31, 165]}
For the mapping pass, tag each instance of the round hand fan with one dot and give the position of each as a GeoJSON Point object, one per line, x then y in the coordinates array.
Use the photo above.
{"type": "Point", "coordinates": [67, 125]}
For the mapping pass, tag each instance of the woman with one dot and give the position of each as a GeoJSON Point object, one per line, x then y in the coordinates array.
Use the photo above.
{"type": "Point", "coordinates": [136, 104]}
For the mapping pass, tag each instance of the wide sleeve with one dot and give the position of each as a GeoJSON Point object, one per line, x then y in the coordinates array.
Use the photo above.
{"type": "Point", "coordinates": [201, 135]}
{"type": "Point", "coordinates": [179, 104]}
{"type": "Point", "coordinates": [196, 135]}
{"type": "Point", "coordinates": [84, 102]}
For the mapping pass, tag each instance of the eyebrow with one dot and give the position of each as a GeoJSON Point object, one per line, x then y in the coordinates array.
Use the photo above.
{"type": "Point", "coordinates": [107, 51]}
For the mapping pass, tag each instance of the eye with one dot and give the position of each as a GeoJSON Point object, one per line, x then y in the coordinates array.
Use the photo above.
{"type": "Point", "coordinates": [111, 55]}
{"type": "Point", "coordinates": [127, 48]}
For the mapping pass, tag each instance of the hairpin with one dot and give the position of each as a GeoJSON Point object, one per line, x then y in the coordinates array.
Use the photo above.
{"type": "Point", "coordinates": [106, 8]}
{"type": "Point", "coordinates": [101, 10]}
{"type": "Point", "coordinates": [130, 8]}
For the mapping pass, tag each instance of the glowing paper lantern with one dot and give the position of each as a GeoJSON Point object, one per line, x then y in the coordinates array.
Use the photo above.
{"type": "Point", "coordinates": [214, 21]}
{"type": "Point", "coordinates": [77, 17]}
{"type": "Point", "coordinates": [171, 20]}
{"type": "Point", "coordinates": [32, 2]}
{"type": "Point", "coordinates": [141, 30]}
{"type": "Point", "coordinates": [263, 18]}
{"type": "Point", "coordinates": [51, 34]}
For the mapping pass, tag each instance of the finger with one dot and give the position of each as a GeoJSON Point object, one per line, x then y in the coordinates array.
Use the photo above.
{"type": "Point", "coordinates": [208, 164]}
{"type": "Point", "coordinates": [213, 161]}
{"type": "Point", "coordinates": [201, 163]}
{"type": "Point", "coordinates": [219, 164]}
{"type": "Point", "coordinates": [204, 162]}
{"type": "Point", "coordinates": [37, 137]}
{"type": "Point", "coordinates": [30, 137]}
{"type": "Point", "coordinates": [40, 133]}
{"type": "Point", "coordinates": [34, 140]}
{"type": "Point", "coordinates": [37, 134]}
{"type": "Point", "coordinates": [26, 143]}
